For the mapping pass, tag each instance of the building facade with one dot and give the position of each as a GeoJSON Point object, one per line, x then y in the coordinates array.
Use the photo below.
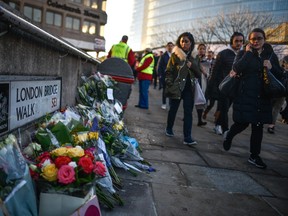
{"type": "Point", "coordinates": [80, 22]}
{"type": "Point", "coordinates": [152, 18]}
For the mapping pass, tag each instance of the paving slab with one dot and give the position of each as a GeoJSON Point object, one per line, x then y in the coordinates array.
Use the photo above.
{"type": "Point", "coordinates": [167, 173]}
{"type": "Point", "coordinates": [223, 180]}
{"type": "Point", "coordinates": [138, 197]}
{"type": "Point", "coordinates": [187, 201]}
{"type": "Point", "coordinates": [174, 155]}
{"type": "Point", "coordinates": [280, 205]}
{"type": "Point", "coordinates": [278, 186]}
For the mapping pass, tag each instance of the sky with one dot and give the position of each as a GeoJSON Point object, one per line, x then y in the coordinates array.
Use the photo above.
{"type": "Point", "coordinates": [119, 15]}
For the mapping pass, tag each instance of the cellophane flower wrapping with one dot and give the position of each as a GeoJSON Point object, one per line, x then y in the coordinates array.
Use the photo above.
{"type": "Point", "coordinates": [16, 188]}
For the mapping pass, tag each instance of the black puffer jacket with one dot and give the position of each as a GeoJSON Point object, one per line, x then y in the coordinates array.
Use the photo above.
{"type": "Point", "coordinates": [222, 67]}
{"type": "Point", "coordinates": [251, 105]}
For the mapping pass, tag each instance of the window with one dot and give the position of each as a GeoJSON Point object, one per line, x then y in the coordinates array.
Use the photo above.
{"type": "Point", "coordinates": [103, 5]}
{"type": "Point", "coordinates": [34, 14]}
{"type": "Point", "coordinates": [53, 18]}
{"type": "Point", "coordinates": [72, 23]}
{"type": "Point", "coordinates": [91, 3]}
{"type": "Point", "coordinates": [77, 1]}
{"type": "Point", "coordinates": [102, 30]}
{"type": "Point", "coordinates": [89, 27]}
{"type": "Point", "coordinates": [14, 5]}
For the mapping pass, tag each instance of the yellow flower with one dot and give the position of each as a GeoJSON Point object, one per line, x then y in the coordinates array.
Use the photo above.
{"type": "Point", "coordinates": [62, 151]}
{"type": "Point", "coordinates": [93, 135]}
{"type": "Point", "coordinates": [75, 152]}
{"type": "Point", "coordinates": [50, 172]}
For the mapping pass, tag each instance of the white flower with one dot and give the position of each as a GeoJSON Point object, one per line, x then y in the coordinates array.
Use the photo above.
{"type": "Point", "coordinates": [33, 167]}
{"type": "Point", "coordinates": [36, 146]}
{"type": "Point", "coordinates": [46, 162]}
{"type": "Point", "coordinates": [79, 147]}
{"type": "Point", "coordinates": [73, 164]}
{"type": "Point", "coordinates": [28, 151]}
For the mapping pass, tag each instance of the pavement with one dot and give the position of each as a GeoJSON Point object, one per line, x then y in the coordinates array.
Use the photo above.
{"type": "Point", "coordinates": [203, 179]}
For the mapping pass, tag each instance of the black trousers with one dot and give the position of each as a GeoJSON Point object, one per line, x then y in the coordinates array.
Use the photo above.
{"type": "Point", "coordinates": [188, 104]}
{"type": "Point", "coordinates": [255, 138]}
{"type": "Point", "coordinates": [224, 104]}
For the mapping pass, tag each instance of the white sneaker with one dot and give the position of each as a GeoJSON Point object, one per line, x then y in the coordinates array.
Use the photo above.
{"type": "Point", "coordinates": [163, 106]}
{"type": "Point", "coordinates": [218, 130]}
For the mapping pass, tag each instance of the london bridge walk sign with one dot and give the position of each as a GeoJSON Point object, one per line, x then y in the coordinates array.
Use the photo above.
{"type": "Point", "coordinates": [26, 101]}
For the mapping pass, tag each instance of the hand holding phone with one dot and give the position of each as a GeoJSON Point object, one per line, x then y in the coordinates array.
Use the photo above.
{"type": "Point", "coordinates": [249, 47]}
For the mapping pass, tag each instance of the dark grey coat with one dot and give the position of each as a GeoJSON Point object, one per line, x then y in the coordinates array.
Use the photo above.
{"type": "Point", "coordinates": [251, 105]}
{"type": "Point", "coordinates": [178, 74]}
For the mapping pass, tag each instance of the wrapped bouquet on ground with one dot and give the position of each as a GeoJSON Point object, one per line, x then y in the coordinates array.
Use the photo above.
{"type": "Point", "coordinates": [17, 196]}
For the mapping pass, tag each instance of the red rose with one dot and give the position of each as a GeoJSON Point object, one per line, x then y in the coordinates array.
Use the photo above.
{"type": "Point", "coordinates": [43, 156]}
{"type": "Point", "coordinates": [40, 164]}
{"type": "Point", "coordinates": [89, 154]}
{"type": "Point", "coordinates": [62, 160]}
{"type": "Point", "coordinates": [66, 174]}
{"type": "Point", "coordinates": [99, 169]}
{"type": "Point", "coordinates": [87, 164]}
{"type": "Point", "coordinates": [34, 175]}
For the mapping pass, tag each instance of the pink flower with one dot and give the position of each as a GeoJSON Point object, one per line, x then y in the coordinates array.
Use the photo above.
{"type": "Point", "coordinates": [99, 169]}
{"type": "Point", "coordinates": [66, 174]}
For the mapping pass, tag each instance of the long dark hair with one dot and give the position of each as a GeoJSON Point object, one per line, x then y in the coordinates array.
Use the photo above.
{"type": "Point", "coordinates": [190, 37]}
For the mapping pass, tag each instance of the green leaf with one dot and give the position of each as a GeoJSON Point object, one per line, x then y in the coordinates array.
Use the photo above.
{"type": "Point", "coordinates": [43, 138]}
{"type": "Point", "coordinates": [62, 134]}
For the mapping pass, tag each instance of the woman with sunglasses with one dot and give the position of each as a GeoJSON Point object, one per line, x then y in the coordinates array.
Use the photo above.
{"type": "Point", "coordinates": [251, 105]}
{"type": "Point", "coordinates": [181, 72]}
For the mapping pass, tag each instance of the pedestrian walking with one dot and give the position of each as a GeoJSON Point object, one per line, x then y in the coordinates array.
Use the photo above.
{"type": "Point", "coordinates": [284, 111]}
{"type": "Point", "coordinates": [145, 73]}
{"type": "Point", "coordinates": [251, 105]}
{"type": "Point", "coordinates": [181, 72]}
{"type": "Point", "coordinates": [202, 80]}
{"type": "Point", "coordinates": [222, 67]}
{"type": "Point", "coordinates": [162, 70]}
{"type": "Point", "coordinates": [209, 95]}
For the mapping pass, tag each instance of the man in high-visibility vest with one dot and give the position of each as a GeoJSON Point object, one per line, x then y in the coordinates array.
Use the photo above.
{"type": "Point", "coordinates": [145, 74]}
{"type": "Point", "coordinates": [123, 51]}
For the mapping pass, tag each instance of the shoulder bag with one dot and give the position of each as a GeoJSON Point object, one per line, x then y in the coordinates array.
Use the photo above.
{"type": "Point", "coordinates": [199, 98]}
{"type": "Point", "coordinates": [273, 88]}
{"type": "Point", "coordinates": [229, 86]}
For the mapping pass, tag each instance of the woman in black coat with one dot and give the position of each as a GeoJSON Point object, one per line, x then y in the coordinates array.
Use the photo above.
{"type": "Point", "coordinates": [251, 105]}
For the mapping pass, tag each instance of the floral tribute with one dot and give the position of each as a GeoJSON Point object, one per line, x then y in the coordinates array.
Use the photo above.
{"type": "Point", "coordinates": [67, 168]}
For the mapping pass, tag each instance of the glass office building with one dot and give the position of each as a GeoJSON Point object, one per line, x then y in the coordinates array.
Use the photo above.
{"type": "Point", "coordinates": [152, 17]}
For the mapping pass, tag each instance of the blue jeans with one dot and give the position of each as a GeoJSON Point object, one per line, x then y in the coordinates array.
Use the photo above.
{"type": "Point", "coordinates": [143, 93]}
{"type": "Point", "coordinates": [188, 104]}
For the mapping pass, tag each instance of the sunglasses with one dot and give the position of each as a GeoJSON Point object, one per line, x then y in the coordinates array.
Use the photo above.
{"type": "Point", "coordinates": [256, 39]}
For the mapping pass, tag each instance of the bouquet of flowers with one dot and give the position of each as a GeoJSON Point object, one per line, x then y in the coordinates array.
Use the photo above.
{"type": "Point", "coordinates": [67, 170]}
{"type": "Point", "coordinates": [15, 180]}
{"type": "Point", "coordinates": [12, 168]}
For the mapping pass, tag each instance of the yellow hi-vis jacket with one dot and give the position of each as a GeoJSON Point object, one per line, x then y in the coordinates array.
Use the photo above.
{"type": "Point", "coordinates": [120, 50]}
{"type": "Point", "coordinates": [148, 70]}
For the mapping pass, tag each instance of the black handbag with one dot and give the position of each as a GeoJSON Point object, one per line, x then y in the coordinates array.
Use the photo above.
{"type": "Point", "coordinates": [273, 88]}
{"type": "Point", "coordinates": [229, 86]}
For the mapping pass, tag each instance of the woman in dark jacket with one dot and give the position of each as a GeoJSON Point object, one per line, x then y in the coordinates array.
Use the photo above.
{"type": "Point", "coordinates": [251, 105]}
{"type": "Point", "coordinates": [181, 71]}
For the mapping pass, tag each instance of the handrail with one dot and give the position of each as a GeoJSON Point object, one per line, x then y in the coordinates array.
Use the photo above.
{"type": "Point", "coordinates": [26, 26]}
